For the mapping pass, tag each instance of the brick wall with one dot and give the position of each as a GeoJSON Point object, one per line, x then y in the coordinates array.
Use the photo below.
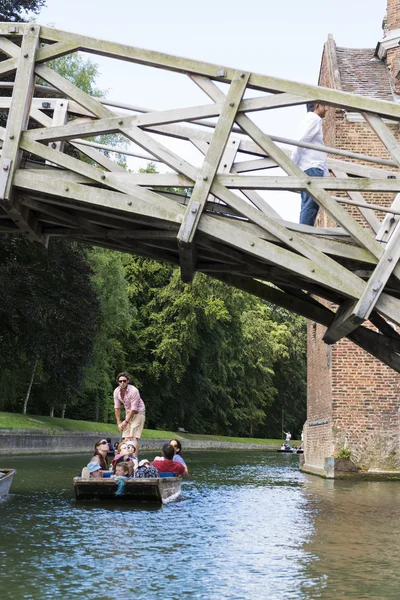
{"type": "Point", "coordinates": [393, 54]}
{"type": "Point", "coordinates": [353, 399]}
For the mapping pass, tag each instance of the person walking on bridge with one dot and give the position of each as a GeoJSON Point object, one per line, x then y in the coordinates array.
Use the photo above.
{"type": "Point", "coordinates": [135, 410]}
{"type": "Point", "coordinates": [312, 162]}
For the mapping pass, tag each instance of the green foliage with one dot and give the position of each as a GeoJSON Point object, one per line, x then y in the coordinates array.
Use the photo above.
{"type": "Point", "coordinates": [80, 71]}
{"type": "Point", "coordinates": [17, 10]}
{"type": "Point", "coordinates": [290, 378]}
{"type": "Point", "coordinates": [47, 314]}
{"type": "Point", "coordinates": [205, 353]}
{"type": "Point", "coordinates": [115, 318]}
{"type": "Point", "coordinates": [343, 453]}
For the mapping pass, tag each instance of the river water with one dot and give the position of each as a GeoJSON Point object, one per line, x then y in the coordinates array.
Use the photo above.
{"type": "Point", "coordinates": [248, 525]}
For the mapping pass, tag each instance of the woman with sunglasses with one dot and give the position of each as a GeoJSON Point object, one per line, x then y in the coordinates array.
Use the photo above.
{"type": "Point", "coordinates": [135, 410]}
{"type": "Point", "coordinates": [100, 454]}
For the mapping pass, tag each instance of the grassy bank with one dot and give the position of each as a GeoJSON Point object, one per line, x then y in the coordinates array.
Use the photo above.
{"type": "Point", "coordinates": [54, 424]}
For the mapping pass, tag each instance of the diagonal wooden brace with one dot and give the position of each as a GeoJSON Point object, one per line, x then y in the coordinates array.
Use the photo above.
{"type": "Point", "coordinates": [205, 180]}
{"type": "Point", "coordinates": [352, 313]}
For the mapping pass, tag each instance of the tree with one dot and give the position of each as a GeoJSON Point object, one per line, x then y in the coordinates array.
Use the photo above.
{"type": "Point", "coordinates": [47, 318]}
{"type": "Point", "coordinates": [290, 379]}
{"type": "Point", "coordinates": [204, 354]}
{"type": "Point", "coordinates": [114, 323]}
{"type": "Point", "coordinates": [17, 10]}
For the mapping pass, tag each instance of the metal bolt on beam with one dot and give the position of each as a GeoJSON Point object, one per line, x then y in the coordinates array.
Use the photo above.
{"type": "Point", "coordinates": [26, 55]}
{"type": "Point", "coordinates": [231, 104]}
{"type": "Point", "coordinates": [120, 122]}
{"type": "Point", "coordinates": [194, 210]}
{"type": "Point", "coordinates": [11, 137]}
{"type": "Point", "coordinates": [129, 203]}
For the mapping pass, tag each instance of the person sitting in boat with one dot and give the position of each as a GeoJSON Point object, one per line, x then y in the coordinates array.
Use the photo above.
{"type": "Point", "coordinates": [100, 454]}
{"type": "Point", "coordinates": [177, 446]}
{"type": "Point", "coordinates": [283, 447]}
{"type": "Point", "coordinates": [125, 454]}
{"type": "Point", "coordinates": [95, 469]}
{"type": "Point", "coordinates": [122, 470]}
{"type": "Point", "coordinates": [110, 446]}
{"type": "Point", "coordinates": [146, 471]}
{"type": "Point", "coordinates": [166, 464]}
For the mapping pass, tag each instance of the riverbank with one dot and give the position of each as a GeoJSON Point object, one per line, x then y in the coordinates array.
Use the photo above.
{"type": "Point", "coordinates": [31, 434]}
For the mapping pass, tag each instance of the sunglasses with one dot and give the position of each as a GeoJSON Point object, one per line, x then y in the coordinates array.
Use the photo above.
{"type": "Point", "coordinates": [122, 381]}
{"type": "Point", "coordinates": [103, 442]}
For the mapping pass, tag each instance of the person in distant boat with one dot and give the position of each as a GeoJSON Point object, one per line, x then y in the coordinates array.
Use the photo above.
{"type": "Point", "coordinates": [166, 464]}
{"type": "Point", "coordinates": [176, 444]}
{"type": "Point", "coordinates": [288, 437]}
{"type": "Point", "coordinates": [135, 410]}
{"type": "Point", "coordinates": [100, 454]}
{"type": "Point", "coordinates": [283, 447]}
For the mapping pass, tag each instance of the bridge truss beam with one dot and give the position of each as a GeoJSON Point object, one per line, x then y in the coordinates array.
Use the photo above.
{"type": "Point", "coordinates": [216, 218]}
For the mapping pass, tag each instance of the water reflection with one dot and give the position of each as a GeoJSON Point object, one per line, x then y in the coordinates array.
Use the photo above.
{"type": "Point", "coordinates": [248, 525]}
{"type": "Point", "coordinates": [356, 537]}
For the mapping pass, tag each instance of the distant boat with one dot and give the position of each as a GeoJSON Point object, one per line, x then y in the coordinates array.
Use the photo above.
{"type": "Point", "coordinates": [292, 450]}
{"type": "Point", "coordinates": [161, 490]}
{"type": "Point", "coordinates": [6, 481]}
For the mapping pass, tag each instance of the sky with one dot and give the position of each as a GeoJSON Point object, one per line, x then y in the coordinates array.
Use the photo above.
{"type": "Point", "coordinates": [279, 38]}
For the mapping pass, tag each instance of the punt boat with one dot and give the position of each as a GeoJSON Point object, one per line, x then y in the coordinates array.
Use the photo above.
{"type": "Point", "coordinates": [292, 450]}
{"type": "Point", "coordinates": [161, 490]}
{"type": "Point", "coordinates": [6, 480]}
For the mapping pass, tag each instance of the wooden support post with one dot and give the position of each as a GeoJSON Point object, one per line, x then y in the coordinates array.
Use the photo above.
{"type": "Point", "coordinates": [17, 121]}
{"type": "Point", "coordinates": [206, 176]}
{"type": "Point", "coordinates": [60, 117]}
{"type": "Point", "coordinates": [351, 314]}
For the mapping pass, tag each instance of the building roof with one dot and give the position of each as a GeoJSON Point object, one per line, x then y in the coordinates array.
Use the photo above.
{"type": "Point", "coordinates": [362, 73]}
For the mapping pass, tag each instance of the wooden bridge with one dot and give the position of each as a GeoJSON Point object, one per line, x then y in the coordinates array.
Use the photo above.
{"type": "Point", "coordinates": [224, 227]}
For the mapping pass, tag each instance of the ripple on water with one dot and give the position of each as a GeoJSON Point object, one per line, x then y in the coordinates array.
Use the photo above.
{"type": "Point", "coordinates": [248, 525]}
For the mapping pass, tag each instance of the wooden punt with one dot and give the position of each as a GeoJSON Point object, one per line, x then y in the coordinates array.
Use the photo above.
{"type": "Point", "coordinates": [291, 451]}
{"type": "Point", "coordinates": [6, 481]}
{"type": "Point", "coordinates": [161, 490]}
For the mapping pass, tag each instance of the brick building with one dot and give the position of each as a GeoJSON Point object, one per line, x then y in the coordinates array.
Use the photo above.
{"type": "Point", "coordinates": [353, 399]}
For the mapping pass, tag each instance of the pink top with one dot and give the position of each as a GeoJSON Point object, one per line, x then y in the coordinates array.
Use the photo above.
{"type": "Point", "coordinates": [131, 401]}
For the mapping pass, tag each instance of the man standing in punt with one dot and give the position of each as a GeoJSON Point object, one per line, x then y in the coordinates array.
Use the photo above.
{"type": "Point", "coordinates": [135, 410]}
{"type": "Point", "coordinates": [312, 162]}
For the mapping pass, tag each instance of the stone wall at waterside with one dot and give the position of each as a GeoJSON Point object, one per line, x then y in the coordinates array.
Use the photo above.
{"type": "Point", "coordinates": [23, 441]}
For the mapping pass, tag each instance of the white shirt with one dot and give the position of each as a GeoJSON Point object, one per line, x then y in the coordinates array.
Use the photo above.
{"type": "Point", "coordinates": [310, 132]}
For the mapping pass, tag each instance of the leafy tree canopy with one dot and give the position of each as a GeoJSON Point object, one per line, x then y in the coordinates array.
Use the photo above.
{"type": "Point", "coordinates": [17, 10]}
